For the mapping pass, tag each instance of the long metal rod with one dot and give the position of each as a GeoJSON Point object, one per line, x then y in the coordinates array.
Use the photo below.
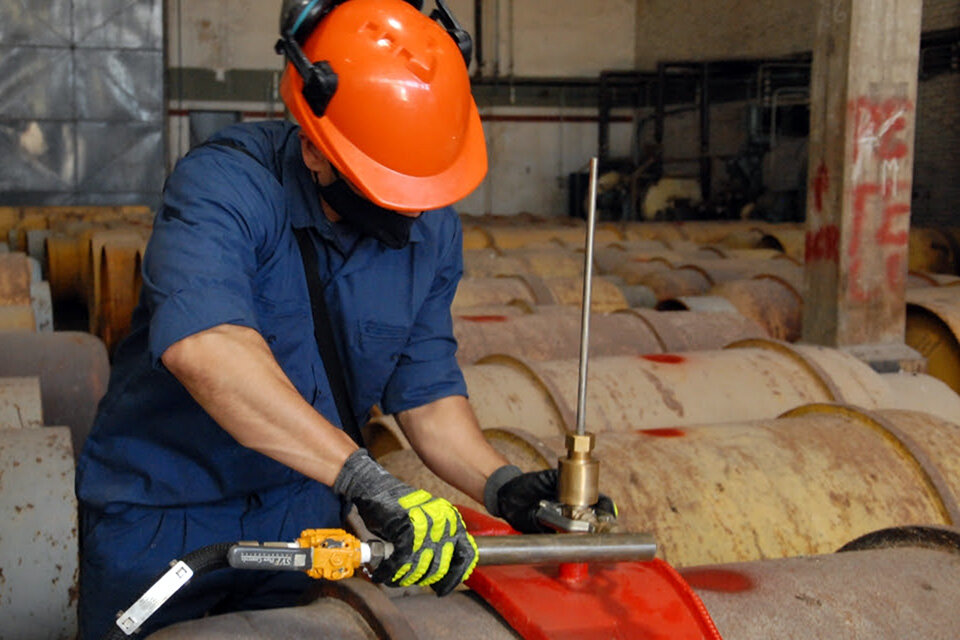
{"type": "Point", "coordinates": [587, 296]}
{"type": "Point", "coordinates": [567, 547]}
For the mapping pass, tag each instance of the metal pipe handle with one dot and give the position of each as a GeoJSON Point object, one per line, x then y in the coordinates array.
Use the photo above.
{"type": "Point", "coordinates": [587, 296]}
{"type": "Point", "coordinates": [566, 547]}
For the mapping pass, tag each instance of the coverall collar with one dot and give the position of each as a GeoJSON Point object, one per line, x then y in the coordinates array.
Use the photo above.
{"type": "Point", "coordinates": [302, 202]}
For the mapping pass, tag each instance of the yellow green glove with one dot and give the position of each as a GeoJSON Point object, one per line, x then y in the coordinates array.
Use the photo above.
{"type": "Point", "coordinates": [431, 543]}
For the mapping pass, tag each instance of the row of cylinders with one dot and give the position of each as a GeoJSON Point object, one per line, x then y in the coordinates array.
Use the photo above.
{"type": "Point", "coordinates": [48, 378]}
{"type": "Point", "coordinates": [89, 255]}
{"type": "Point", "coordinates": [92, 255]}
{"type": "Point", "coordinates": [760, 450]}
{"type": "Point", "coordinates": [537, 408]}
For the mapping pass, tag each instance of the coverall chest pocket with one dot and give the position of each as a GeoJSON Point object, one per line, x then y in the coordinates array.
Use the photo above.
{"type": "Point", "coordinates": [380, 347]}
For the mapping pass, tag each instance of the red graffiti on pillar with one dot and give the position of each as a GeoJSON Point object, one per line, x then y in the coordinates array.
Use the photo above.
{"type": "Point", "coordinates": [821, 182]}
{"type": "Point", "coordinates": [878, 128]}
{"type": "Point", "coordinates": [885, 234]}
{"type": "Point", "coordinates": [879, 148]}
{"type": "Point", "coordinates": [823, 244]}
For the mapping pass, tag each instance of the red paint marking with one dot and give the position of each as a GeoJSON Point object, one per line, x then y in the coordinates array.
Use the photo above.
{"type": "Point", "coordinates": [665, 358]}
{"type": "Point", "coordinates": [823, 244]}
{"type": "Point", "coordinates": [880, 124]}
{"type": "Point", "coordinates": [884, 234]}
{"type": "Point", "coordinates": [821, 182]}
{"type": "Point", "coordinates": [484, 318]}
{"type": "Point", "coordinates": [717, 580]}
{"type": "Point", "coordinates": [663, 433]}
{"type": "Point", "coordinates": [860, 194]}
{"type": "Point", "coordinates": [878, 134]}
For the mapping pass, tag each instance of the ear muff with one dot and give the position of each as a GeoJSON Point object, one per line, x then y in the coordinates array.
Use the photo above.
{"type": "Point", "coordinates": [298, 19]}
{"type": "Point", "coordinates": [445, 18]}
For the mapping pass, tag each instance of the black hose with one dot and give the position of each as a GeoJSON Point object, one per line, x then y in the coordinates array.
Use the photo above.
{"type": "Point", "coordinates": [203, 560]}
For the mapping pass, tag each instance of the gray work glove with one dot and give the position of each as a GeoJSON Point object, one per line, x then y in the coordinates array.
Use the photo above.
{"type": "Point", "coordinates": [515, 496]}
{"type": "Point", "coordinates": [431, 545]}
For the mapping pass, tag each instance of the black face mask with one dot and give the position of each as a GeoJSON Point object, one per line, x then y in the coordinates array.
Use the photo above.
{"type": "Point", "coordinates": [389, 227]}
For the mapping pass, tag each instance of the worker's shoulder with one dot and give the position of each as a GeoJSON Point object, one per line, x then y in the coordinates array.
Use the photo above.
{"type": "Point", "coordinates": [440, 225]}
{"type": "Point", "coordinates": [251, 144]}
{"type": "Point", "coordinates": [444, 221]}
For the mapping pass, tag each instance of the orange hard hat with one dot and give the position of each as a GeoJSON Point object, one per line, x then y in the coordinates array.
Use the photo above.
{"type": "Point", "coordinates": [402, 125]}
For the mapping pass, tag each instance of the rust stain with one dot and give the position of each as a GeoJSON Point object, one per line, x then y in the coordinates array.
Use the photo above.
{"type": "Point", "coordinates": [663, 433]}
{"type": "Point", "coordinates": [722, 580]}
{"type": "Point", "coordinates": [667, 394]}
{"type": "Point", "coordinates": [665, 358]}
{"type": "Point", "coordinates": [806, 599]}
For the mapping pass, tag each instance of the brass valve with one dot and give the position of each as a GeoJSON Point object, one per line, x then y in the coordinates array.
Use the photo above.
{"type": "Point", "coordinates": [579, 473]}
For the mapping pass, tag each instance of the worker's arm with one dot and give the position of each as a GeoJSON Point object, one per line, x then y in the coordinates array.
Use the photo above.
{"type": "Point", "coordinates": [446, 435]}
{"type": "Point", "coordinates": [231, 372]}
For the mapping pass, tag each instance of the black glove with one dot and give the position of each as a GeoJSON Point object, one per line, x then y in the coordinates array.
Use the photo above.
{"type": "Point", "coordinates": [431, 545]}
{"type": "Point", "coordinates": [515, 496]}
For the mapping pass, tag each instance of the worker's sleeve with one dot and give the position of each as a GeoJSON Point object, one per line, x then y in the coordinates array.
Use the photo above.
{"type": "Point", "coordinates": [427, 368]}
{"type": "Point", "coordinates": [200, 264]}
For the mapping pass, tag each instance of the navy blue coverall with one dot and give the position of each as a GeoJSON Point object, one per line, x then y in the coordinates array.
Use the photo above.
{"type": "Point", "coordinates": [157, 477]}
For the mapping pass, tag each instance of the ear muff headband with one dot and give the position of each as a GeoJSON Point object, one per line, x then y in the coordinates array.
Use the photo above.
{"type": "Point", "coordinates": [303, 17]}
{"type": "Point", "coordinates": [319, 78]}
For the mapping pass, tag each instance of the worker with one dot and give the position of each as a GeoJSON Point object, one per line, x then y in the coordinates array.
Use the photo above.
{"type": "Point", "coordinates": [226, 417]}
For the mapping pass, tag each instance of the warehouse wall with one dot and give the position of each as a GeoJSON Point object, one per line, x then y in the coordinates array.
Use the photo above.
{"type": "Point", "coordinates": [532, 149]}
{"type": "Point", "coordinates": [936, 167]}
{"type": "Point", "coordinates": [220, 57]}
{"type": "Point", "coordinates": [697, 30]}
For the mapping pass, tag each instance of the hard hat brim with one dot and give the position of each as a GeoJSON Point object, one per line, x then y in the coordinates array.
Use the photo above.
{"type": "Point", "coordinates": [380, 184]}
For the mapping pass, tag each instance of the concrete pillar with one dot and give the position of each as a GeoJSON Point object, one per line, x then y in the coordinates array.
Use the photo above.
{"type": "Point", "coordinates": [863, 100]}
